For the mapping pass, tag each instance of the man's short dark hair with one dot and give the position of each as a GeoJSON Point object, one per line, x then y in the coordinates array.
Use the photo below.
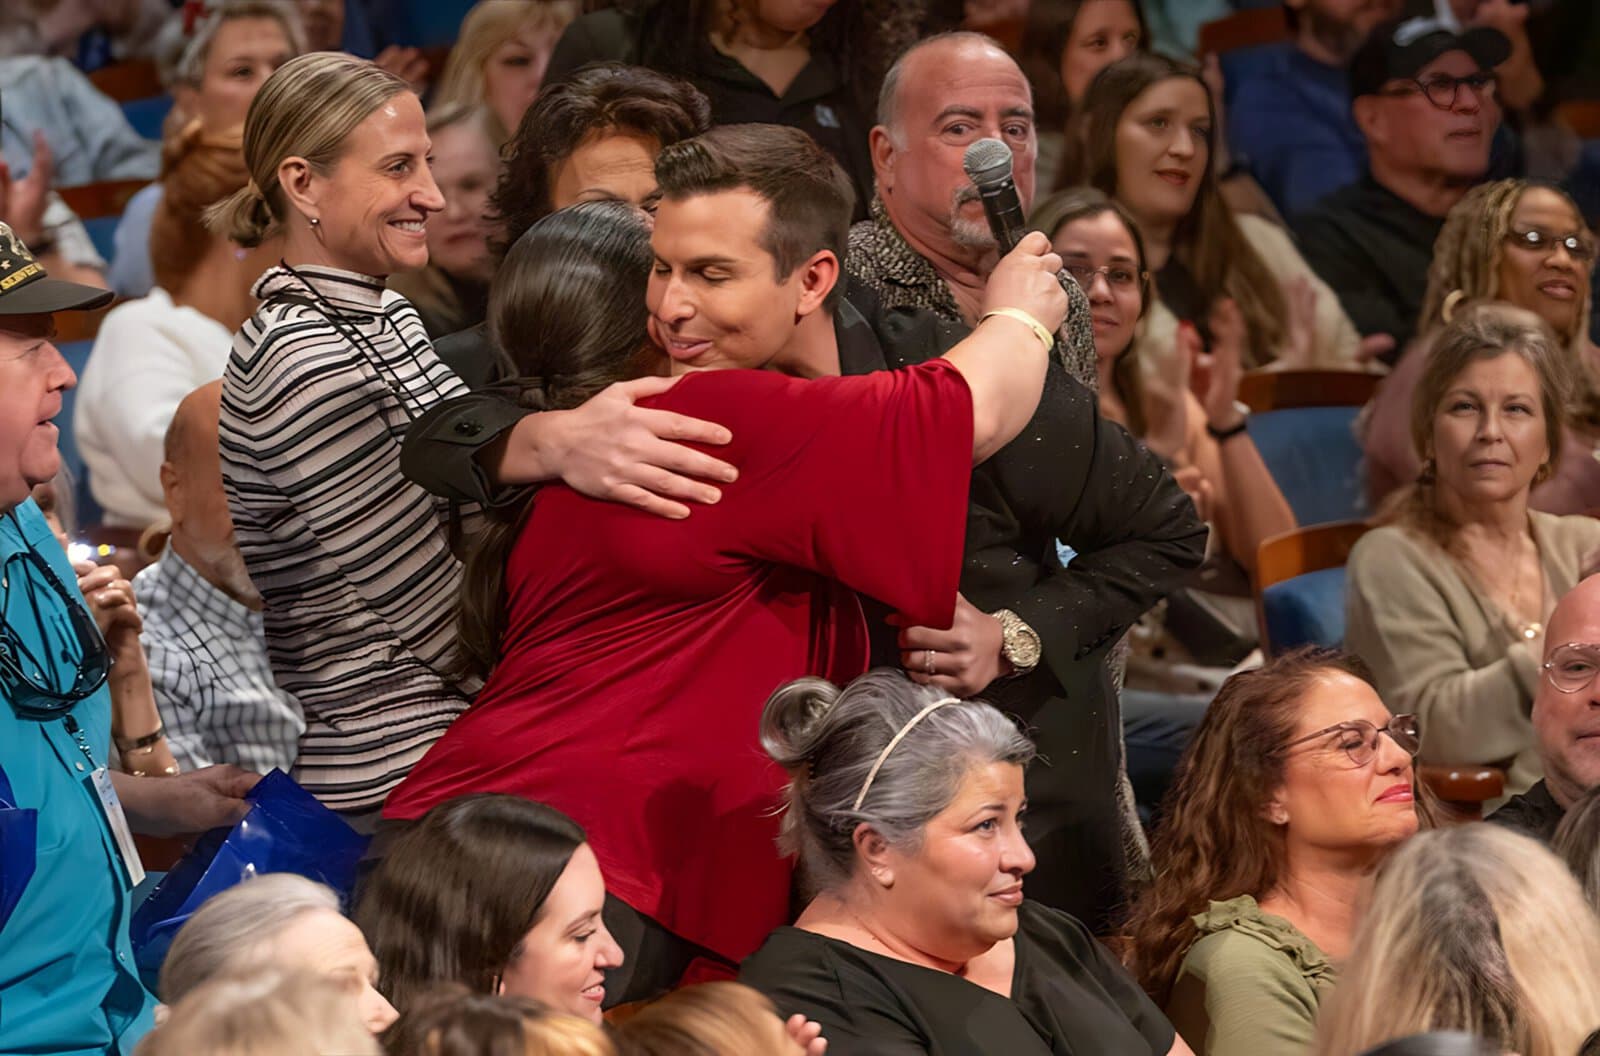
{"type": "Point", "coordinates": [809, 197]}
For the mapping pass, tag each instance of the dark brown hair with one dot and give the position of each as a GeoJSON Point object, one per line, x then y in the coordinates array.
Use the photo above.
{"type": "Point", "coordinates": [451, 1020]}
{"type": "Point", "coordinates": [1214, 844]}
{"type": "Point", "coordinates": [567, 316]}
{"type": "Point", "coordinates": [1207, 244]}
{"type": "Point", "coordinates": [608, 97]}
{"type": "Point", "coordinates": [1045, 35]}
{"type": "Point", "coordinates": [455, 896]}
{"type": "Point", "coordinates": [809, 198]}
{"type": "Point", "coordinates": [1086, 203]}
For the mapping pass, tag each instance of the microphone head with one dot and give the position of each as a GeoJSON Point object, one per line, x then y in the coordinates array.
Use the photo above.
{"type": "Point", "coordinates": [988, 161]}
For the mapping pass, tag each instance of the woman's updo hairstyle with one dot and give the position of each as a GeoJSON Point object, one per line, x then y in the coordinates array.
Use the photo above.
{"type": "Point", "coordinates": [307, 109]}
{"type": "Point", "coordinates": [829, 740]}
{"type": "Point", "coordinates": [197, 171]}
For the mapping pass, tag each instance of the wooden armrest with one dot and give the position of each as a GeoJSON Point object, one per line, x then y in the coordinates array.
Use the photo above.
{"type": "Point", "coordinates": [1466, 783]}
{"type": "Point", "coordinates": [160, 853]}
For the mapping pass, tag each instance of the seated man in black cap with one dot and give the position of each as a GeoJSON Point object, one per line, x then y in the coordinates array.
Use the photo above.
{"type": "Point", "coordinates": [68, 982]}
{"type": "Point", "coordinates": [1424, 98]}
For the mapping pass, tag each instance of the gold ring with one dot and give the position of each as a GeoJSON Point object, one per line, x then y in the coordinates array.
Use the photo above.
{"type": "Point", "coordinates": [927, 664]}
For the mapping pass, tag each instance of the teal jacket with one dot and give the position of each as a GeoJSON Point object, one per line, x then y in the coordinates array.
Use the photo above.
{"type": "Point", "coordinates": [68, 984]}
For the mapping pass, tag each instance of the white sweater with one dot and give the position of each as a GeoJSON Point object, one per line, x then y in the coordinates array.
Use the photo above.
{"type": "Point", "coordinates": [149, 355]}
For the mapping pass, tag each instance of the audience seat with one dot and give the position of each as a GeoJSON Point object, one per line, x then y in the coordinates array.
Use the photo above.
{"type": "Point", "coordinates": [147, 115]}
{"type": "Point", "coordinates": [431, 23]}
{"type": "Point", "coordinates": [1243, 29]}
{"type": "Point", "coordinates": [1303, 423]}
{"type": "Point", "coordinates": [100, 207]}
{"type": "Point", "coordinates": [126, 81]}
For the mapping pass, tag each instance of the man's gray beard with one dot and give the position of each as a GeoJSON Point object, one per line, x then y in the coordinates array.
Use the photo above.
{"type": "Point", "coordinates": [969, 234]}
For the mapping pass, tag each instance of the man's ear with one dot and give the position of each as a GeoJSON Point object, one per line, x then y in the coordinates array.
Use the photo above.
{"type": "Point", "coordinates": [1368, 115]}
{"type": "Point", "coordinates": [299, 186]}
{"type": "Point", "coordinates": [818, 277]}
{"type": "Point", "coordinates": [172, 491]}
{"type": "Point", "coordinates": [884, 156]}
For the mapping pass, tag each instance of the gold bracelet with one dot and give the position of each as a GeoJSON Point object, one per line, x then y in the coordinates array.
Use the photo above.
{"type": "Point", "coordinates": [134, 744]}
{"type": "Point", "coordinates": [1046, 338]}
{"type": "Point", "coordinates": [166, 771]}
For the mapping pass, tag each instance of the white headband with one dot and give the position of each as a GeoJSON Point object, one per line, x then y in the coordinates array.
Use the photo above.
{"type": "Point", "coordinates": [896, 739]}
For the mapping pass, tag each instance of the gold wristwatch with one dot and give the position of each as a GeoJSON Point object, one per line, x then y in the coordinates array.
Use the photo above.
{"type": "Point", "coordinates": [1019, 643]}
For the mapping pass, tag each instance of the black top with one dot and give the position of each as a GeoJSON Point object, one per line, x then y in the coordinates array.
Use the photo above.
{"type": "Point", "coordinates": [1373, 248]}
{"type": "Point", "coordinates": [1534, 813]}
{"type": "Point", "coordinates": [819, 103]}
{"type": "Point", "coordinates": [1068, 995]}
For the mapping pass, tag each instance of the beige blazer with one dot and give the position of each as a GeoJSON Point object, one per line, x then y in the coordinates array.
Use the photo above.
{"type": "Point", "coordinates": [1441, 650]}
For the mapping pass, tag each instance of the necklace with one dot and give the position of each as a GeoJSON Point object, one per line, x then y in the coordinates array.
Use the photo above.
{"type": "Point", "coordinates": [1527, 630]}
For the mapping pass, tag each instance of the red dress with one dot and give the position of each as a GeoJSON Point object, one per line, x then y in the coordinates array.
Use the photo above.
{"type": "Point", "coordinates": [639, 651]}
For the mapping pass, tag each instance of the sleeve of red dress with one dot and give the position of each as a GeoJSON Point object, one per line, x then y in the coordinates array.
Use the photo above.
{"type": "Point", "coordinates": [864, 480]}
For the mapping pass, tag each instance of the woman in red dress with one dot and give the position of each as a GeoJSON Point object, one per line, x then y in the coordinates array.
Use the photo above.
{"type": "Point", "coordinates": [635, 652]}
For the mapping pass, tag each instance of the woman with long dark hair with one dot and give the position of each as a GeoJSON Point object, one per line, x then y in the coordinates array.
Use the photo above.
{"type": "Point", "coordinates": [1148, 125]}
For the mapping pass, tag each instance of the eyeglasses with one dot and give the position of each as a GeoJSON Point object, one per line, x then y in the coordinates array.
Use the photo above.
{"type": "Point", "coordinates": [27, 678]}
{"type": "Point", "coordinates": [1577, 246]}
{"type": "Point", "coordinates": [1359, 738]}
{"type": "Point", "coordinates": [1442, 89]}
{"type": "Point", "coordinates": [1572, 666]}
{"type": "Point", "coordinates": [1118, 276]}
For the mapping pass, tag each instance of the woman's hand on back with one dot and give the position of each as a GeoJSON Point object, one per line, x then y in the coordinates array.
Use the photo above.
{"type": "Point", "coordinates": [609, 448]}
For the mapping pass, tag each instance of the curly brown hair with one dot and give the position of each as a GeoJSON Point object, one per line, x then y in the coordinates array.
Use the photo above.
{"type": "Point", "coordinates": [1214, 843]}
{"type": "Point", "coordinates": [605, 97]}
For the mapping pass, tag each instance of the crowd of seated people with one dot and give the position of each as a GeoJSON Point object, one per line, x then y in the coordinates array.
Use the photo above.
{"type": "Point", "coordinates": [714, 553]}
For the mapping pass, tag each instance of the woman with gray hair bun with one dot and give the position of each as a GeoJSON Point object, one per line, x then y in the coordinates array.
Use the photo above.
{"type": "Point", "coordinates": [905, 808]}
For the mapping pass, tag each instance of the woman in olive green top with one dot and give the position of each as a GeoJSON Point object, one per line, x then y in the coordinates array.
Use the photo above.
{"type": "Point", "coordinates": [1297, 784]}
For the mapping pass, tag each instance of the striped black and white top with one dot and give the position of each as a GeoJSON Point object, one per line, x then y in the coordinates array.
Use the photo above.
{"type": "Point", "coordinates": [351, 558]}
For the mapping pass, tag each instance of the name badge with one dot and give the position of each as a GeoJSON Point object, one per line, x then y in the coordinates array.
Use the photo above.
{"type": "Point", "coordinates": [118, 822]}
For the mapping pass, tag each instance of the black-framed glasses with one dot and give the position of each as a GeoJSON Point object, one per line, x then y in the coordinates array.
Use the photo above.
{"type": "Point", "coordinates": [1442, 90]}
{"type": "Point", "coordinates": [1118, 276]}
{"type": "Point", "coordinates": [28, 681]}
{"type": "Point", "coordinates": [1572, 666]}
{"type": "Point", "coordinates": [1360, 739]}
{"type": "Point", "coordinates": [1578, 247]}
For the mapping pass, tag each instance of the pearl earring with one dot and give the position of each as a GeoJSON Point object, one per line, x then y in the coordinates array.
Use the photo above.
{"type": "Point", "coordinates": [315, 221]}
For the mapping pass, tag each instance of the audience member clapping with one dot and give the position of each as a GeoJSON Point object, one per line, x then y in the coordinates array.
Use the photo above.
{"type": "Point", "coordinates": [277, 920]}
{"type": "Point", "coordinates": [1298, 782]}
{"type": "Point", "coordinates": [1148, 127]}
{"type": "Point", "coordinates": [1064, 44]}
{"type": "Point", "coordinates": [152, 352]}
{"type": "Point", "coordinates": [452, 1020]}
{"type": "Point", "coordinates": [1426, 107]}
{"type": "Point", "coordinates": [905, 809]}
{"type": "Point", "coordinates": [30, 206]}
{"type": "Point", "coordinates": [202, 616]}
{"type": "Point", "coordinates": [88, 133]}
{"type": "Point", "coordinates": [716, 1019]}
{"type": "Point", "coordinates": [1566, 717]}
{"type": "Point", "coordinates": [500, 895]}
{"type": "Point", "coordinates": [235, 48]}
{"type": "Point", "coordinates": [1448, 601]}
{"type": "Point", "coordinates": [1475, 929]}
{"type": "Point", "coordinates": [256, 1011]}
{"type": "Point", "coordinates": [1525, 244]}
{"type": "Point", "coordinates": [1202, 436]}
{"type": "Point", "coordinates": [451, 292]}
{"type": "Point", "coordinates": [499, 59]}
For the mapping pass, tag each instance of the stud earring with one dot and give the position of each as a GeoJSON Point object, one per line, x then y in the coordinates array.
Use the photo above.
{"type": "Point", "coordinates": [315, 221]}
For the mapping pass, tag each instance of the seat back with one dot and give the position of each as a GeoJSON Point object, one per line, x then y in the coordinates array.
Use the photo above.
{"type": "Point", "coordinates": [1249, 28]}
{"type": "Point", "coordinates": [1299, 586]}
{"type": "Point", "coordinates": [1303, 423]}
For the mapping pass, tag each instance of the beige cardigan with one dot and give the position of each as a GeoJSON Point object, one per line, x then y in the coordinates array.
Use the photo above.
{"type": "Point", "coordinates": [1441, 650]}
{"type": "Point", "coordinates": [1337, 341]}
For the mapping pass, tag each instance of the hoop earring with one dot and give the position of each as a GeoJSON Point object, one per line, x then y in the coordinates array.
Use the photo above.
{"type": "Point", "coordinates": [1428, 473]}
{"type": "Point", "coordinates": [1544, 473]}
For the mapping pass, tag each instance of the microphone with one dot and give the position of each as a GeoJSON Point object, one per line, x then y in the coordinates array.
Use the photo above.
{"type": "Point", "coordinates": [988, 165]}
